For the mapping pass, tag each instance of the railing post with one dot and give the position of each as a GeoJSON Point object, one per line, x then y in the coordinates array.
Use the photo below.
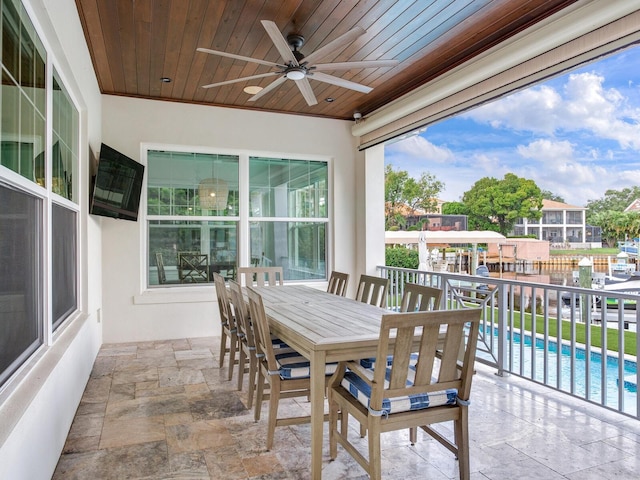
{"type": "Point", "coordinates": [503, 310]}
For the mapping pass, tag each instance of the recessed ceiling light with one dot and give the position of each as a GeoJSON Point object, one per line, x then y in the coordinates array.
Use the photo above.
{"type": "Point", "coordinates": [252, 89]}
{"type": "Point", "coordinates": [165, 80]}
{"type": "Point", "coordinates": [329, 99]}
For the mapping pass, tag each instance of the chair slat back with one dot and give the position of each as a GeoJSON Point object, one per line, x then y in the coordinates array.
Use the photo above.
{"type": "Point", "coordinates": [260, 276]}
{"type": "Point", "coordinates": [193, 266]}
{"type": "Point", "coordinates": [243, 323]}
{"type": "Point", "coordinates": [162, 277]}
{"type": "Point", "coordinates": [373, 290]}
{"type": "Point", "coordinates": [420, 298]}
{"type": "Point", "coordinates": [441, 334]}
{"type": "Point", "coordinates": [261, 328]}
{"type": "Point", "coordinates": [226, 317]}
{"type": "Point", "coordinates": [338, 282]}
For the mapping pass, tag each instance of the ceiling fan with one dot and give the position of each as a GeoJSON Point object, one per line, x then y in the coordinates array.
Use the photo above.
{"type": "Point", "coordinates": [297, 67]}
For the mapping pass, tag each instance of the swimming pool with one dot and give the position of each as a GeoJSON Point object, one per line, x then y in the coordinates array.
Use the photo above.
{"type": "Point", "coordinates": [562, 379]}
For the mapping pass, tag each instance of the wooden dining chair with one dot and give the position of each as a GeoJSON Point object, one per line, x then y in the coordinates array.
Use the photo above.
{"type": "Point", "coordinates": [420, 298]}
{"type": "Point", "coordinates": [193, 267]}
{"type": "Point", "coordinates": [373, 290]}
{"type": "Point", "coordinates": [287, 373]}
{"type": "Point", "coordinates": [338, 282]}
{"type": "Point", "coordinates": [408, 394]}
{"type": "Point", "coordinates": [248, 360]}
{"type": "Point", "coordinates": [260, 276]}
{"type": "Point", "coordinates": [228, 324]}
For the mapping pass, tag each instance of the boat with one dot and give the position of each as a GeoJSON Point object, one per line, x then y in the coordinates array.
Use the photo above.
{"type": "Point", "coordinates": [630, 248]}
{"type": "Point", "coordinates": [630, 286]}
{"type": "Point", "coordinates": [619, 283]}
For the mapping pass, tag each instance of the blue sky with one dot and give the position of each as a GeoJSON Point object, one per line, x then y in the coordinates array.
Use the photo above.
{"type": "Point", "coordinates": [576, 135]}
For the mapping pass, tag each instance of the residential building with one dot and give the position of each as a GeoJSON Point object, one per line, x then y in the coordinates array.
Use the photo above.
{"type": "Point", "coordinates": [299, 175]}
{"type": "Point", "coordinates": [561, 224]}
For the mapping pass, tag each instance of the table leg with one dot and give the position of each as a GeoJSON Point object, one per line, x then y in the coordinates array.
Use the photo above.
{"type": "Point", "coordinates": [318, 361]}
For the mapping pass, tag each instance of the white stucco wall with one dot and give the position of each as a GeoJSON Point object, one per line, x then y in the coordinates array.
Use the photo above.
{"type": "Point", "coordinates": [132, 314]}
{"type": "Point", "coordinates": [38, 406]}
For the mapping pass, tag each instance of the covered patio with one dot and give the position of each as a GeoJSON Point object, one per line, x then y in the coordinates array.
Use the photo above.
{"type": "Point", "coordinates": [124, 374]}
{"type": "Point", "coordinates": [165, 410]}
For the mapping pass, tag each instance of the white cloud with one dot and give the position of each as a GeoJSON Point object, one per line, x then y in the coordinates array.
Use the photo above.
{"type": "Point", "coordinates": [421, 148]}
{"type": "Point", "coordinates": [529, 110]}
{"type": "Point", "coordinates": [547, 151]}
{"type": "Point", "coordinates": [585, 105]}
{"type": "Point", "coordinates": [574, 136]}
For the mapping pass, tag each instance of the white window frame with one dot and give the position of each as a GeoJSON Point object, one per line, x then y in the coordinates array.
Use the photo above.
{"type": "Point", "coordinates": [243, 218]}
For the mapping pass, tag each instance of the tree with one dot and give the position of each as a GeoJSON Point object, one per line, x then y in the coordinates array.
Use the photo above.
{"type": "Point", "coordinates": [404, 195]}
{"type": "Point", "coordinates": [454, 208]}
{"type": "Point", "coordinates": [496, 205]}
{"type": "Point", "coordinates": [547, 195]}
{"type": "Point", "coordinates": [613, 200]}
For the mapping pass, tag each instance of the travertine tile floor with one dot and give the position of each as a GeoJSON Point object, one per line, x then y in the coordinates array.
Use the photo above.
{"type": "Point", "coordinates": [164, 410]}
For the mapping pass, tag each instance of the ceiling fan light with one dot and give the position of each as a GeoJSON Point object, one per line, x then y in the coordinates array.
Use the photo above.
{"type": "Point", "coordinates": [252, 89]}
{"type": "Point", "coordinates": [296, 74]}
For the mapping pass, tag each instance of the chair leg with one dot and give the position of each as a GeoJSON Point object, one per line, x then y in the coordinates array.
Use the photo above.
{"type": "Point", "coordinates": [413, 435]}
{"type": "Point", "coordinates": [242, 360]}
{"type": "Point", "coordinates": [274, 399]}
{"type": "Point", "coordinates": [223, 346]}
{"type": "Point", "coordinates": [253, 364]}
{"type": "Point", "coordinates": [259, 394]}
{"type": "Point", "coordinates": [232, 353]}
{"type": "Point", "coordinates": [333, 427]}
{"type": "Point", "coordinates": [375, 468]}
{"type": "Point", "coordinates": [461, 428]}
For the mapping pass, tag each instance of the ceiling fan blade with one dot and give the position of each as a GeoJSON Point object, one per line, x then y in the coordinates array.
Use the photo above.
{"type": "Point", "coordinates": [336, 44]}
{"type": "Point", "coordinates": [276, 83]}
{"type": "Point", "coordinates": [240, 57]}
{"type": "Point", "coordinates": [305, 88]}
{"type": "Point", "coordinates": [340, 82]}
{"type": "Point", "coordinates": [353, 65]}
{"type": "Point", "coordinates": [252, 77]}
{"type": "Point", "coordinates": [279, 41]}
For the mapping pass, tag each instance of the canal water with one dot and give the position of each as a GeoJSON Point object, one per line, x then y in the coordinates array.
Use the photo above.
{"type": "Point", "coordinates": [548, 276]}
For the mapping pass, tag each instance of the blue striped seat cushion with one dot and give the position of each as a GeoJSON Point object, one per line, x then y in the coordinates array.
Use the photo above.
{"type": "Point", "coordinates": [277, 343]}
{"type": "Point", "coordinates": [362, 392]}
{"type": "Point", "coordinates": [370, 363]}
{"type": "Point", "coordinates": [293, 365]}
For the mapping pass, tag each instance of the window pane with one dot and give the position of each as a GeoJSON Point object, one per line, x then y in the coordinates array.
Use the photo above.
{"type": "Point", "coordinates": [187, 252]}
{"type": "Point", "coordinates": [287, 188]}
{"type": "Point", "coordinates": [64, 263]}
{"type": "Point", "coordinates": [23, 94]}
{"type": "Point", "coordinates": [65, 147]}
{"type": "Point", "coordinates": [192, 184]}
{"type": "Point", "coordinates": [20, 274]}
{"type": "Point", "coordinates": [299, 247]}
{"type": "Point", "coordinates": [11, 38]}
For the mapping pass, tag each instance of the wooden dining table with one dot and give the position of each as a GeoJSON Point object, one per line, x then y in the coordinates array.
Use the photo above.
{"type": "Point", "coordinates": [323, 328]}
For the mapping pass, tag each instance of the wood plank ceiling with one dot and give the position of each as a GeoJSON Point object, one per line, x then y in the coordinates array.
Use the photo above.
{"type": "Point", "coordinates": [134, 44]}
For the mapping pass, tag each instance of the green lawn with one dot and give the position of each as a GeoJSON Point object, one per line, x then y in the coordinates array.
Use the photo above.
{"type": "Point", "coordinates": [586, 252]}
{"type": "Point", "coordinates": [630, 338]}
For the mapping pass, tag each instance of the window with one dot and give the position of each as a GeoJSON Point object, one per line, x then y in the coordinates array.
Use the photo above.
{"type": "Point", "coordinates": [64, 276]}
{"type": "Point", "coordinates": [21, 247]}
{"type": "Point", "coordinates": [288, 209]}
{"type": "Point", "coordinates": [25, 324]}
{"type": "Point", "coordinates": [574, 218]}
{"type": "Point", "coordinates": [193, 216]}
{"type": "Point", "coordinates": [65, 142]}
{"type": "Point", "coordinates": [23, 108]}
{"type": "Point", "coordinates": [552, 218]}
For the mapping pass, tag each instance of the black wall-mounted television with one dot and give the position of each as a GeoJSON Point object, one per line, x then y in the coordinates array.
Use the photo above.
{"type": "Point", "coordinates": [117, 185]}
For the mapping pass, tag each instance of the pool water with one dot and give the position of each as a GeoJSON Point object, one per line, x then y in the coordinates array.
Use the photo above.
{"type": "Point", "coordinates": [614, 391]}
